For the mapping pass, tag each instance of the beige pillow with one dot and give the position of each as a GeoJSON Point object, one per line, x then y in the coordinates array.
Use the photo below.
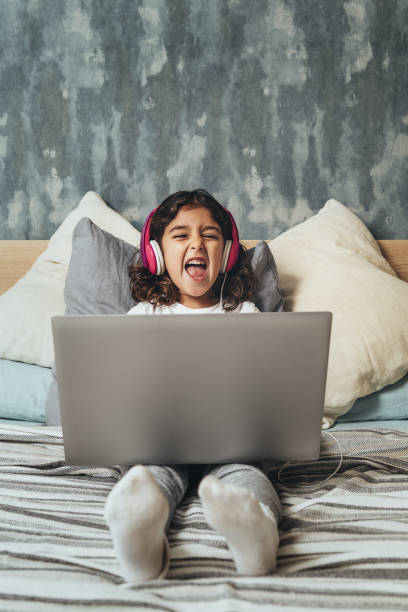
{"type": "Point", "coordinates": [332, 262]}
{"type": "Point", "coordinates": [27, 307]}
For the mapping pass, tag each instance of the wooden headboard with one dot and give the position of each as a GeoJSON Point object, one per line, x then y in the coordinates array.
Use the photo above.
{"type": "Point", "coordinates": [17, 257]}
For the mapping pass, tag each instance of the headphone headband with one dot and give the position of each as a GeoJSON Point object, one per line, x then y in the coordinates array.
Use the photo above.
{"type": "Point", "coordinates": [152, 257]}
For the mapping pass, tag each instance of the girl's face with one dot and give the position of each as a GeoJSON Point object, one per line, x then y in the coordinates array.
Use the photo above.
{"type": "Point", "coordinates": [198, 237]}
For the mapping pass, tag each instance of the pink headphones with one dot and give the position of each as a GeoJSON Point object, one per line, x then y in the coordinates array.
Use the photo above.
{"type": "Point", "coordinates": [152, 256]}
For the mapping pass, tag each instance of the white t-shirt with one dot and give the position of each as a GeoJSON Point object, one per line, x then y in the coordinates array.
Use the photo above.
{"type": "Point", "coordinates": [177, 308]}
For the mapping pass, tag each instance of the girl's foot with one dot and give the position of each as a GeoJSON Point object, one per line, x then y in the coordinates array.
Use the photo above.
{"type": "Point", "coordinates": [136, 512]}
{"type": "Point", "coordinates": [248, 525]}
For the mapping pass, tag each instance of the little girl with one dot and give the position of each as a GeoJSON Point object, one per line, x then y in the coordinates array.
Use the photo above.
{"type": "Point", "coordinates": [189, 245]}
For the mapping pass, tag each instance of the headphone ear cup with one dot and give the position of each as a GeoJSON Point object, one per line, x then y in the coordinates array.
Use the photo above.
{"type": "Point", "coordinates": [160, 267]}
{"type": "Point", "coordinates": [225, 255]}
{"type": "Point", "coordinates": [235, 245]}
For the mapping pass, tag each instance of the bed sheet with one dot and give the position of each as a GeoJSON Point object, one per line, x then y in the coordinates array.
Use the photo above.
{"type": "Point", "coordinates": [343, 541]}
{"type": "Point", "coordinates": [399, 425]}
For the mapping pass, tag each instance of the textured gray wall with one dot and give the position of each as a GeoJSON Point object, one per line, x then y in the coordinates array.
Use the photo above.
{"type": "Point", "coordinates": [272, 105]}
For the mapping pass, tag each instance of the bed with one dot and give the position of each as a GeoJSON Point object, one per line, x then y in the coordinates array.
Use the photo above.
{"type": "Point", "coordinates": [343, 543]}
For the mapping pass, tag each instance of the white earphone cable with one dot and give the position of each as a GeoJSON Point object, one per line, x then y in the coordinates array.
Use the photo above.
{"type": "Point", "coordinates": [223, 282]}
{"type": "Point", "coordinates": [321, 457]}
{"type": "Point", "coordinates": [298, 462]}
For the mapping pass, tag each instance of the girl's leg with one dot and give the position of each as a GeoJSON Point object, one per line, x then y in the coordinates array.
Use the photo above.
{"type": "Point", "coordinates": [173, 481]}
{"type": "Point", "coordinates": [138, 511]}
{"type": "Point", "coordinates": [249, 476]}
{"type": "Point", "coordinates": [241, 503]}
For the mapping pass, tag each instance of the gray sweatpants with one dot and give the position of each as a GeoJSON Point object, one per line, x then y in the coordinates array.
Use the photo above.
{"type": "Point", "coordinates": [173, 480]}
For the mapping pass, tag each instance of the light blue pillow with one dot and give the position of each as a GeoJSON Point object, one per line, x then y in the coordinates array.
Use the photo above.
{"type": "Point", "coordinates": [23, 391]}
{"type": "Point", "coordinates": [390, 403]}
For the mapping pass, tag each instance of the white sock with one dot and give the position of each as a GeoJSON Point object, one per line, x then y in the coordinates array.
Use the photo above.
{"type": "Point", "coordinates": [136, 512]}
{"type": "Point", "coordinates": [248, 525]}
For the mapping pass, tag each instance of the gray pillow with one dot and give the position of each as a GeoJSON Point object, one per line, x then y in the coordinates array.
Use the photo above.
{"type": "Point", "coordinates": [267, 298]}
{"type": "Point", "coordinates": [98, 283]}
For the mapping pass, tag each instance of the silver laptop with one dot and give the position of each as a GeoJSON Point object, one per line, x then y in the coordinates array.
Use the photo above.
{"type": "Point", "coordinates": [215, 388]}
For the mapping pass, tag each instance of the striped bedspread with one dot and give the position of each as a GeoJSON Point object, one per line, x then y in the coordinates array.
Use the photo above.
{"type": "Point", "coordinates": [344, 542]}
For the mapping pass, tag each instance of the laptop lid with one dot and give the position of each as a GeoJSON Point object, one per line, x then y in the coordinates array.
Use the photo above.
{"type": "Point", "coordinates": [214, 388]}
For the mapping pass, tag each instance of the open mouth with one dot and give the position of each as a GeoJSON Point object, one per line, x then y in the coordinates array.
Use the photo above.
{"type": "Point", "coordinates": [197, 271]}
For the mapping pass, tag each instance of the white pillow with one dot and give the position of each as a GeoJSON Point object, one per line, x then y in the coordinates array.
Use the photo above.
{"type": "Point", "coordinates": [27, 307]}
{"type": "Point", "coordinates": [332, 262]}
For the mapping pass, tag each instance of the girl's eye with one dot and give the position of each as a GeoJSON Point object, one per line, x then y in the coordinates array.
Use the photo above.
{"type": "Point", "coordinates": [205, 236]}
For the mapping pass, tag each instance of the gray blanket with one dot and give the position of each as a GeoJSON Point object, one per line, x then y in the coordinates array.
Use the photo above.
{"type": "Point", "coordinates": [344, 542]}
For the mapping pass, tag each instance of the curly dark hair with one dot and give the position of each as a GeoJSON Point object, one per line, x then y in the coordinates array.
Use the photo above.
{"type": "Point", "coordinates": [241, 282]}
